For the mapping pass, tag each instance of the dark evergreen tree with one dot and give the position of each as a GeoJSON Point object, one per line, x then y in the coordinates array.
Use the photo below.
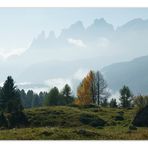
{"type": "Point", "coordinates": [42, 96]}
{"type": "Point", "coordinates": [113, 103]}
{"type": "Point", "coordinates": [23, 97]}
{"type": "Point", "coordinates": [52, 97]}
{"type": "Point", "coordinates": [29, 98]}
{"type": "Point", "coordinates": [11, 107]}
{"type": "Point", "coordinates": [9, 97]}
{"type": "Point", "coordinates": [66, 90]}
{"type": "Point", "coordinates": [3, 120]}
{"type": "Point", "coordinates": [125, 97]}
{"type": "Point", "coordinates": [36, 101]}
{"type": "Point", "coordinates": [67, 94]}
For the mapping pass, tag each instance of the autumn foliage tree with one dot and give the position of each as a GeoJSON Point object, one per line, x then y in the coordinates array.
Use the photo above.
{"type": "Point", "coordinates": [92, 89]}
{"type": "Point", "coordinates": [84, 91]}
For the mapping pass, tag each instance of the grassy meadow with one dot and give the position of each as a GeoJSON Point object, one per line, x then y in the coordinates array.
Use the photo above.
{"type": "Point", "coordinates": [77, 123]}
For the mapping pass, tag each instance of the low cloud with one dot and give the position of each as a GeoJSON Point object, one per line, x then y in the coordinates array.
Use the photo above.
{"type": "Point", "coordinates": [14, 52]}
{"type": "Point", "coordinates": [80, 74]}
{"type": "Point", "coordinates": [115, 95]}
{"type": "Point", "coordinates": [77, 42]}
{"type": "Point", "coordinates": [58, 82]}
{"type": "Point", "coordinates": [24, 83]}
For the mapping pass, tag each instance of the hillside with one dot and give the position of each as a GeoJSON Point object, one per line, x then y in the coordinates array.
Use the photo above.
{"type": "Point", "coordinates": [131, 73]}
{"type": "Point", "coordinates": [75, 123]}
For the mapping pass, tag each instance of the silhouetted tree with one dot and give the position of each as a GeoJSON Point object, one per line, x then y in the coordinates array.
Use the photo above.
{"type": "Point", "coordinates": [9, 97]}
{"type": "Point", "coordinates": [52, 97]}
{"type": "Point", "coordinates": [11, 107]}
{"type": "Point", "coordinates": [36, 101]}
{"type": "Point", "coordinates": [42, 96]}
{"type": "Point", "coordinates": [66, 90]}
{"type": "Point", "coordinates": [113, 103]}
{"type": "Point", "coordinates": [125, 97]}
{"type": "Point", "coordinates": [3, 120]}
{"type": "Point", "coordinates": [104, 102]}
{"type": "Point", "coordinates": [23, 97]}
{"type": "Point", "coordinates": [101, 88]}
{"type": "Point", "coordinates": [29, 98]}
{"type": "Point", "coordinates": [67, 94]}
{"type": "Point", "coordinates": [32, 99]}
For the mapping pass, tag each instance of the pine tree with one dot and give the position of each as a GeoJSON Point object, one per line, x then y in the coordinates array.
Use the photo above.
{"type": "Point", "coordinates": [125, 97]}
{"type": "Point", "coordinates": [9, 97]}
{"type": "Point", "coordinates": [36, 101]}
{"type": "Point", "coordinates": [52, 97]}
{"type": "Point", "coordinates": [67, 94]}
{"type": "Point", "coordinates": [29, 98]}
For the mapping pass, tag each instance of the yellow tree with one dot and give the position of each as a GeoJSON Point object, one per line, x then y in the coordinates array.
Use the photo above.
{"type": "Point", "coordinates": [84, 91]}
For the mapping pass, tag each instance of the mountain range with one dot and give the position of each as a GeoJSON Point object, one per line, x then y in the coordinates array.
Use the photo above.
{"type": "Point", "coordinates": [69, 56]}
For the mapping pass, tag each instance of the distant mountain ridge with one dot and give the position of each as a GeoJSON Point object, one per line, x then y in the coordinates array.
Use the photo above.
{"type": "Point", "coordinates": [132, 73]}
{"type": "Point", "coordinates": [84, 48]}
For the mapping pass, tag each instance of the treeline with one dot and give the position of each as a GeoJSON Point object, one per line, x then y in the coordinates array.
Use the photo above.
{"type": "Point", "coordinates": [31, 99]}
{"type": "Point", "coordinates": [92, 91]}
{"type": "Point", "coordinates": [11, 108]}
{"type": "Point", "coordinates": [13, 101]}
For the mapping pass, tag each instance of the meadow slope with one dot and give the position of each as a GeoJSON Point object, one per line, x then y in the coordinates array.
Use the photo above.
{"type": "Point", "coordinates": [77, 123]}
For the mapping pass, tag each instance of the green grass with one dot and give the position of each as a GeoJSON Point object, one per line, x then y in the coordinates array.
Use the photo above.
{"type": "Point", "coordinates": [73, 133]}
{"type": "Point", "coordinates": [64, 123]}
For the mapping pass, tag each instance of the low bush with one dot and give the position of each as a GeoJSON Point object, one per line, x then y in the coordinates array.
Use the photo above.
{"type": "Point", "coordinates": [140, 119]}
{"type": "Point", "coordinates": [18, 119]}
{"type": "Point", "coordinates": [119, 116]}
{"type": "Point", "coordinates": [141, 102]}
{"type": "Point", "coordinates": [132, 127]}
{"type": "Point", "coordinates": [91, 120]}
{"type": "Point", "coordinates": [3, 121]}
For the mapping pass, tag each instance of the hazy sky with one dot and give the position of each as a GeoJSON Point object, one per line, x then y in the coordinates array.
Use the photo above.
{"type": "Point", "coordinates": [18, 26]}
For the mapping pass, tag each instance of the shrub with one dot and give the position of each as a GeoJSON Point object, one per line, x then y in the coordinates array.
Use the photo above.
{"type": "Point", "coordinates": [91, 120]}
{"type": "Point", "coordinates": [141, 119]}
{"type": "Point", "coordinates": [141, 101]}
{"type": "Point", "coordinates": [132, 127]}
{"type": "Point", "coordinates": [3, 120]}
{"type": "Point", "coordinates": [119, 116]}
{"type": "Point", "coordinates": [17, 119]}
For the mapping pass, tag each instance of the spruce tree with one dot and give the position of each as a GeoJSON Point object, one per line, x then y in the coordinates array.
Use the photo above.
{"type": "Point", "coordinates": [125, 97]}
{"type": "Point", "coordinates": [9, 97]}
{"type": "Point", "coordinates": [67, 94]}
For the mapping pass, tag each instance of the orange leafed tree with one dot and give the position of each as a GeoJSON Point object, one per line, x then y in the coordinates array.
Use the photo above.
{"type": "Point", "coordinates": [84, 92]}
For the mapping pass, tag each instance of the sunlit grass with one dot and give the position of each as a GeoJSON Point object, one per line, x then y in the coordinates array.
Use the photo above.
{"type": "Point", "coordinates": [63, 123]}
